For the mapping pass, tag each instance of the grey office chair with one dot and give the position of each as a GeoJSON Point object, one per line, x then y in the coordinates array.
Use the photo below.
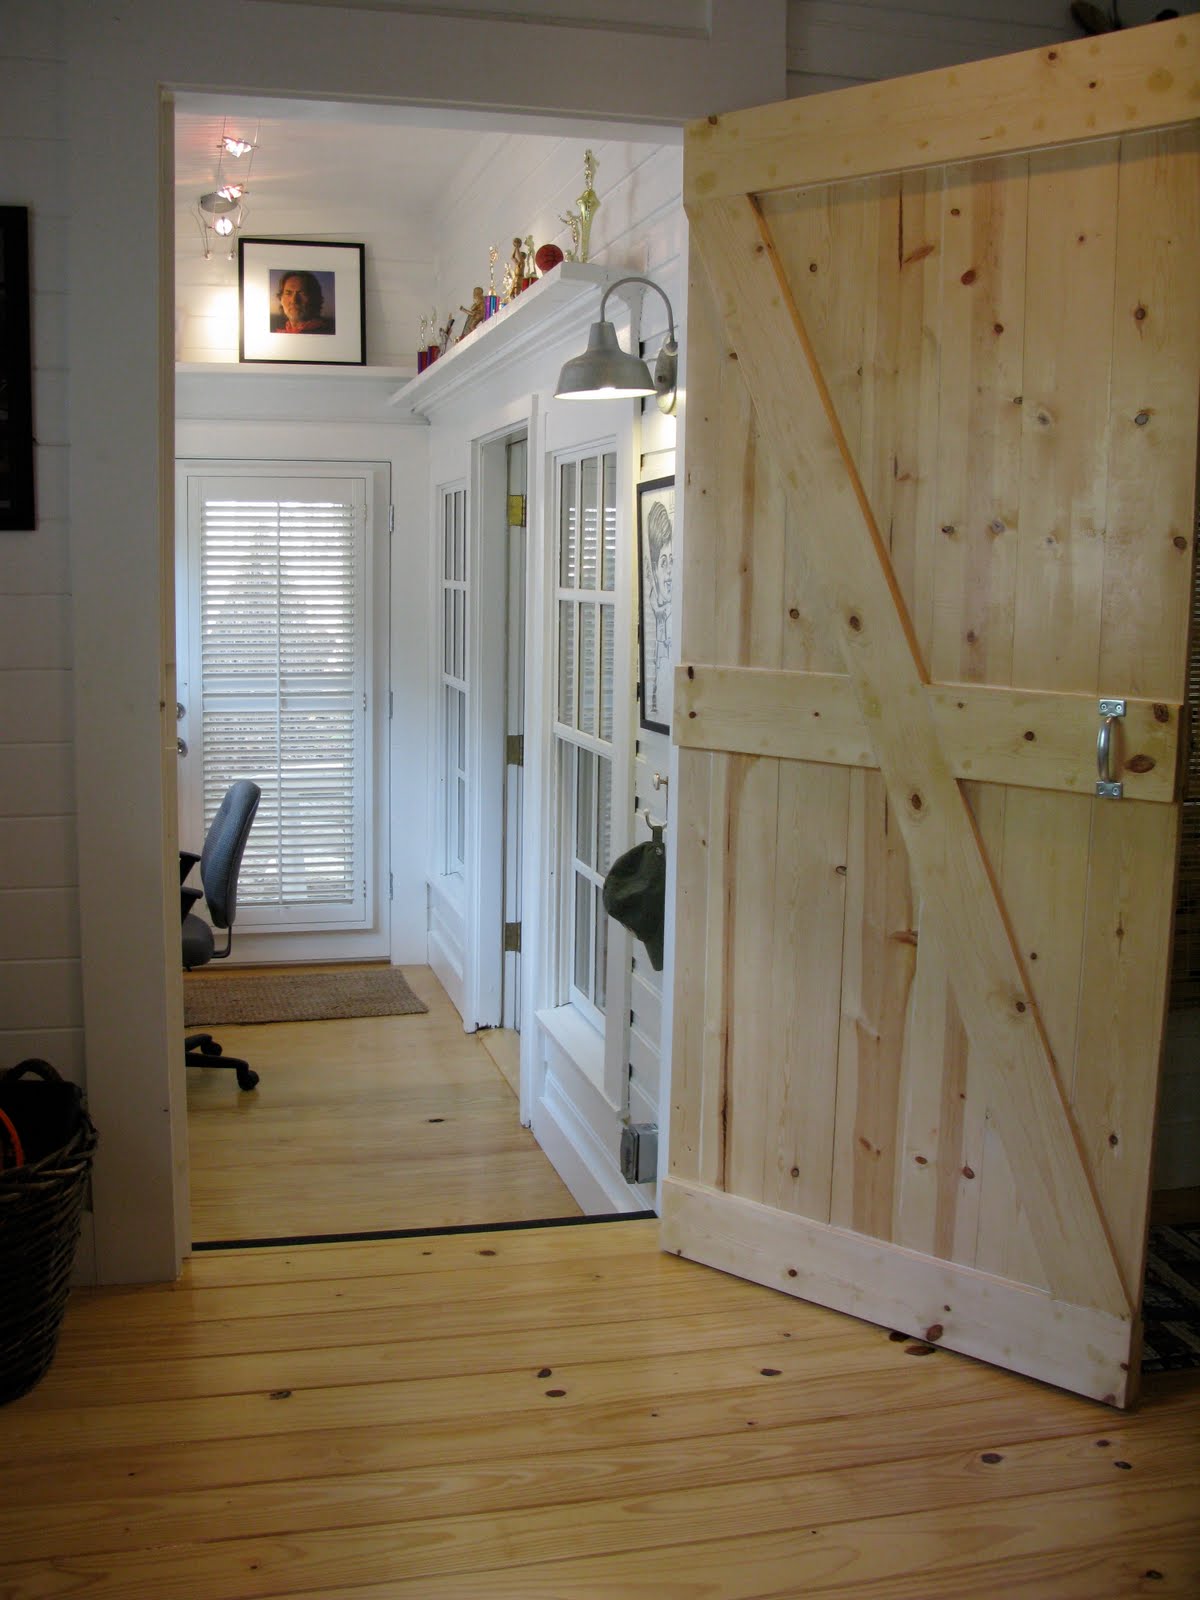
{"type": "Point", "coordinates": [220, 863]}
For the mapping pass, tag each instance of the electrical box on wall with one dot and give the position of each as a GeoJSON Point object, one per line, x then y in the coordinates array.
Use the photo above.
{"type": "Point", "coordinates": [639, 1152]}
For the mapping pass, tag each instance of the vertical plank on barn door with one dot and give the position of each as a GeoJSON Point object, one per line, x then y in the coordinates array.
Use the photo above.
{"type": "Point", "coordinates": [1149, 551]}
{"type": "Point", "coordinates": [993, 1082]}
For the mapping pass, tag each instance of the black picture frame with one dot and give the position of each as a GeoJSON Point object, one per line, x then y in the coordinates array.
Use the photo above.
{"type": "Point", "coordinates": [336, 332]}
{"type": "Point", "coordinates": [656, 538]}
{"type": "Point", "coordinates": [17, 508]}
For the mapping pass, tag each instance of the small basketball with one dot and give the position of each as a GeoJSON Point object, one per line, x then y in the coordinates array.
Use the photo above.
{"type": "Point", "coordinates": [548, 255]}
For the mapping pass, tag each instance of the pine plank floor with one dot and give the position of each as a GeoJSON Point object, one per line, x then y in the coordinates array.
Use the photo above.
{"type": "Point", "coordinates": [562, 1414]}
{"type": "Point", "coordinates": [362, 1125]}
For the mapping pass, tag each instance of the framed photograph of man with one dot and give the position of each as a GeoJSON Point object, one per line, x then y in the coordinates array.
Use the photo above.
{"type": "Point", "coordinates": [300, 302]}
{"type": "Point", "coordinates": [656, 524]}
{"type": "Point", "coordinates": [16, 374]}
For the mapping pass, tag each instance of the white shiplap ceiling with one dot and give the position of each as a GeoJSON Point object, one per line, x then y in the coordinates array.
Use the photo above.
{"type": "Point", "coordinates": [323, 158]}
{"type": "Point", "coordinates": [346, 160]}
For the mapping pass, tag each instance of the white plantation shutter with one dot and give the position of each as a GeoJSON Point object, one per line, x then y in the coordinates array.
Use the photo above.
{"type": "Point", "coordinates": [280, 640]}
{"type": "Point", "coordinates": [583, 729]}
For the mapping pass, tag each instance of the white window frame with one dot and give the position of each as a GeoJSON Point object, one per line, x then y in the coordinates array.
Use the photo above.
{"type": "Point", "coordinates": [454, 665]}
{"type": "Point", "coordinates": [578, 863]}
{"type": "Point", "coordinates": [303, 932]}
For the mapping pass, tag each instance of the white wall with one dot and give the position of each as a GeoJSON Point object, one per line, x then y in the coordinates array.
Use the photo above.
{"type": "Point", "coordinates": [834, 43]}
{"type": "Point", "coordinates": [41, 1008]}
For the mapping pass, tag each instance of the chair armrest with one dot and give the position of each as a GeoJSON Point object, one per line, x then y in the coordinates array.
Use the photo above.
{"type": "Point", "coordinates": [187, 899]}
{"type": "Point", "coordinates": [187, 860]}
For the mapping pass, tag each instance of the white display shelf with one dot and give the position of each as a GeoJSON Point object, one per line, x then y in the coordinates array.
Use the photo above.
{"type": "Point", "coordinates": [249, 391]}
{"type": "Point", "coordinates": [567, 296]}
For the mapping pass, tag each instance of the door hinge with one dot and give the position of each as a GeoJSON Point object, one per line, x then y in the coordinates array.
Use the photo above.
{"type": "Point", "coordinates": [514, 750]}
{"type": "Point", "coordinates": [391, 703]}
{"type": "Point", "coordinates": [516, 510]}
{"type": "Point", "coordinates": [391, 519]}
{"type": "Point", "coordinates": [512, 938]}
{"type": "Point", "coordinates": [391, 886]}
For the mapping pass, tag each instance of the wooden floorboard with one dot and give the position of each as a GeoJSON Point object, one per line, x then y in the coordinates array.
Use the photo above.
{"type": "Point", "coordinates": [362, 1125]}
{"type": "Point", "coordinates": [562, 1413]}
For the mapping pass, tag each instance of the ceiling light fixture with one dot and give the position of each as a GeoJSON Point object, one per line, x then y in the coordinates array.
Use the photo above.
{"type": "Point", "coordinates": [606, 372]}
{"type": "Point", "coordinates": [222, 210]}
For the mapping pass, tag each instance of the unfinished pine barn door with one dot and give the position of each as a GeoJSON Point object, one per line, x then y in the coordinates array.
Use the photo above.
{"type": "Point", "coordinates": [943, 345]}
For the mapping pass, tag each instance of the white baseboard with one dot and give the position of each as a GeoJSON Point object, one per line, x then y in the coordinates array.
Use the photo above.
{"type": "Point", "coordinates": [446, 970]}
{"type": "Point", "coordinates": [578, 1157]}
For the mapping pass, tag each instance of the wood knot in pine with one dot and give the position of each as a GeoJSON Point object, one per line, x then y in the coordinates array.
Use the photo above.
{"type": "Point", "coordinates": [1179, 542]}
{"type": "Point", "coordinates": [934, 1332]}
{"type": "Point", "coordinates": [691, 672]}
{"type": "Point", "coordinates": [855, 622]}
{"type": "Point", "coordinates": [1141, 419]}
{"type": "Point", "coordinates": [969, 276]}
{"type": "Point", "coordinates": [1139, 314]}
{"type": "Point", "coordinates": [794, 613]}
{"type": "Point", "coordinates": [1161, 713]}
{"type": "Point", "coordinates": [771, 1372]}
{"type": "Point", "coordinates": [991, 1457]}
{"type": "Point", "coordinates": [1140, 763]}
{"type": "Point", "coordinates": [1029, 736]}
{"type": "Point", "coordinates": [546, 1372]}
{"type": "Point", "coordinates": [555, 1394]}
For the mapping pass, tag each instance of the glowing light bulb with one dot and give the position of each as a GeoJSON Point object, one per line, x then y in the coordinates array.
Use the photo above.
{"type": "Point", "coordinates": [236, 147]}
{"type": "Point", "coordinates": [223, 226]}
{"type": "Point", "coordinates": [231, 191]}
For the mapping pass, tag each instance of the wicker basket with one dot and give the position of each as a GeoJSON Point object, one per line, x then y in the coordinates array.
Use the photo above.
{"type": "Point", "coordinates": [40, 1205]}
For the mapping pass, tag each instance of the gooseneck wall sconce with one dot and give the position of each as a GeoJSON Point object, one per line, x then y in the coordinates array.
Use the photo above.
{"type": "Point", "coordinates": [606, 372]}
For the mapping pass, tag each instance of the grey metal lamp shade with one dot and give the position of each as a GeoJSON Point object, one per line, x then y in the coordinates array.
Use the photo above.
{"type": "Point", "coordinates": [604, 370]}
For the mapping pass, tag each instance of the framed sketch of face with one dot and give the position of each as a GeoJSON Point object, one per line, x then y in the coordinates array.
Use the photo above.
{"type": "Point", "coordinates": [301, 302]}
{"type": "Point", "coordinates": [656, 526]}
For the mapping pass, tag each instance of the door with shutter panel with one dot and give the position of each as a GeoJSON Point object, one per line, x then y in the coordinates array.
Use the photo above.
{"type": "Point", "coordinates": [943, 344]}
{"type": "Point", "coordinates": [278, 639]}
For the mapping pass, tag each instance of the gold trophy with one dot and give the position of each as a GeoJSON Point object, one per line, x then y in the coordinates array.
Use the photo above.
{"type": "Point", "coordinates": [588, 203]}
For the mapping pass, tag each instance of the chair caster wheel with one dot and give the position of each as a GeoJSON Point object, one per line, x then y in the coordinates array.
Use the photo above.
{"type": "Point", "coordinates": [246, 1079]}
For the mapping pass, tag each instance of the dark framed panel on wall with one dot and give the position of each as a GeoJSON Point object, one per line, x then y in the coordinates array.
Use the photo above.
{"type": "Point", "coordinates": [656, 525]}
{"type": "Point", "coordinates": [301, 302]}
{"type": "Point", "coordinates": [16, 373]}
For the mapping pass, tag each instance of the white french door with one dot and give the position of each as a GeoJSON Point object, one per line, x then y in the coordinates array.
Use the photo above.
{"type": "Point", "coordinates": [276, 683]}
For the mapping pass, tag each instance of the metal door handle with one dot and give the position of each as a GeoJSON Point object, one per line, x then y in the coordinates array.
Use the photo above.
{"type": "Point", "coordinates": [1108, 786]}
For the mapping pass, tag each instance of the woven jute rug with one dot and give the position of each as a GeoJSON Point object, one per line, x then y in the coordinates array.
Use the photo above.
{"type": "Point", "coordinates": [303, 996]}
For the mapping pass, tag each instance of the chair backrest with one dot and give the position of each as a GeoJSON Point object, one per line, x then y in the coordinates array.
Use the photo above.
{"type": "Point", "coordinates": [221, 858]}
